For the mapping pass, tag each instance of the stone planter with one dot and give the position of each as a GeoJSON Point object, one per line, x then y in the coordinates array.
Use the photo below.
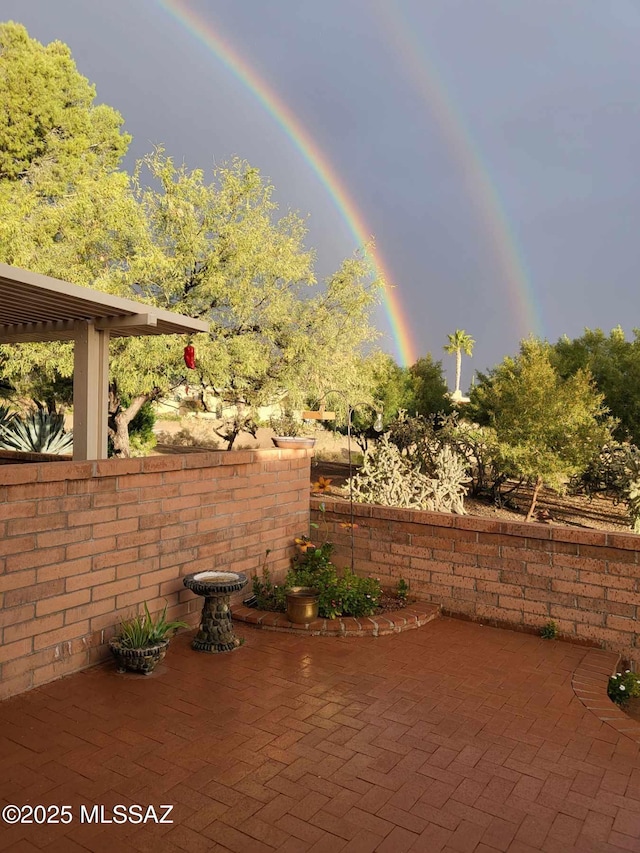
{"type": "Point", "coordinates": [138, 660]}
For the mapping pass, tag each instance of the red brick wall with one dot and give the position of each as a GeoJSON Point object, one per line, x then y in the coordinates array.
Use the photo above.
{"type": "Point", "coordinates": [82, 544]}
{"type": "Point", "coordinates": [521, 575]}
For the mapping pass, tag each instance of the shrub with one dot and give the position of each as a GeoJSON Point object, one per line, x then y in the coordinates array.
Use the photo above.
{"type": "Point", "coordinates": [142, 438]}
{"type": "Point", "coordinates": [623, 686]}
{"type": "Point", "coordinates": [615, 472]}
{"type": "Point", "coordinates": [346, 594]}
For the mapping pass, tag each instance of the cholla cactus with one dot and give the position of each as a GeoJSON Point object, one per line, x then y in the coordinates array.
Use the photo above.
{"type": "Point", "coordinates": [391, 479]}
{"type": "Point", "coordinates": [449, 484]}
{"type": "Point", "coordinates": [633, 503]}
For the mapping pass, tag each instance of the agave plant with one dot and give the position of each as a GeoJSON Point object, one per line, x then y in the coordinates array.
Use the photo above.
{"type": "Point", "coordinates": [38, 432]}
{"type": "Point", "coordinates": [6, 416]}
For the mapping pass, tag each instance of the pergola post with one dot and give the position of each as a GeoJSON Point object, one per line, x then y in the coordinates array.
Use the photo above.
{"type": "Point", "coordinates": [90, 391]}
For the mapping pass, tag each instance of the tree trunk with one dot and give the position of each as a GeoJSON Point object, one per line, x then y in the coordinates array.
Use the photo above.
{"type": "Point", "coordinates": [536, 490]}
{"type": "Point", "coordinates": [119, 420]}
{"type": "Point", "coordinates": [458, 370]}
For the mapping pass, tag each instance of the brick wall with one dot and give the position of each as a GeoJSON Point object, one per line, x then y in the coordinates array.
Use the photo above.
{"type": "Point", "coordinates": [504, 573]}
{"type": "Point", "coordinates": [82, 544]}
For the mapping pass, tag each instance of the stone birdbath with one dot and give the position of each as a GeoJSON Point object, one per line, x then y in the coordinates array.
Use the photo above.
{"type": "Point", "coordinates": [215, 633]}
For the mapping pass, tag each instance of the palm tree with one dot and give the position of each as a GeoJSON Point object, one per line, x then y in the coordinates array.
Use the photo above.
{"type": "Point", "coordinates": [459, 342]}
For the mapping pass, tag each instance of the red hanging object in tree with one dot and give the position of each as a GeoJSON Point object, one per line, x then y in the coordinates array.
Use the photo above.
{"type": "Point", "coordinates": [190, 357]}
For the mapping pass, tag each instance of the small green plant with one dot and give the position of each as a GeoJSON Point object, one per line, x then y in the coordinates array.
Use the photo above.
{"type": "Point", "coordinates": [549, 631]}
{"type": "Point", "coordinates": [143, 630]}
{"type": "Point", "coordinates": [269, 596]}
{"type": "Point", "coordinates": [402, 590]}
{"type": "Point", "coordinates": [623, 686]}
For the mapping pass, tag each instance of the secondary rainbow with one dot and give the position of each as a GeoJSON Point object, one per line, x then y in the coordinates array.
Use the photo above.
{"type": "Point", "coordinates": [204, 31]}
{"type": "Point", "coordinates": [483, 194]}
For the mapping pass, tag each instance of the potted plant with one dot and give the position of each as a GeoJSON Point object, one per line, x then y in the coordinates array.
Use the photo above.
{"type": "Point", "coordinates": [142, 642]}
{"type": "Point", "coordinates": [302, 604]}
{"type": "Point", "coordinates": [289, 433]}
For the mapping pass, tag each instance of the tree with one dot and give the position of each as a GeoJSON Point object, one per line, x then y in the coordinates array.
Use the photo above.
{"type": "Point", "coordinates": [384, 388]}
{"type": "Point", "coordinates": [428, 388]}
{"type": "Point", "coordinates": [215, 250]}
{"type": "Point", "coordinates": [48, 114]}
{"type": "Point", "coordinates": [459, 342]}
{"type": "Point", "coordinates": [614, 363]}
{"type": "Point", "coordinates": [547, 428]}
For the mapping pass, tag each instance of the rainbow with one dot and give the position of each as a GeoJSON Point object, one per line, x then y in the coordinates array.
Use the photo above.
{"type": "Point", "coordinates": [317, 160]}
{"type": "Point", "coordinates": [481, 190]}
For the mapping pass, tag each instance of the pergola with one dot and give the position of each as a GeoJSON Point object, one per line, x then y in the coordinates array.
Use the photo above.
{"type": "Point", "coordinates": [35, 307]}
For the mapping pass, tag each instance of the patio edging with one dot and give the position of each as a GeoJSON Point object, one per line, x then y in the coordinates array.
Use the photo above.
{"type": "Point", "coordinates": [394, 622]}
{"type": "Point", "coordinates": [589, 682]}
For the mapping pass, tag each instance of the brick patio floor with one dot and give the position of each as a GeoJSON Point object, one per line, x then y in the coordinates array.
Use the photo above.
{"type": "Point", "coordinates": [451, 737]}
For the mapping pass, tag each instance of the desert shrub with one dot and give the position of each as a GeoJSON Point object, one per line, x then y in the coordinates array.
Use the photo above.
{"type": "Point", "coordinates": [142, 438]}
{"type": "Point", "coordinates": [422, 439]}
{"type": "Point", "coordinates": [614, 473]}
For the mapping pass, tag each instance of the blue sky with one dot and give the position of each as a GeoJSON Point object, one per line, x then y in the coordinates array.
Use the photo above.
{"type": "Point", "coordinates": [543, 112]}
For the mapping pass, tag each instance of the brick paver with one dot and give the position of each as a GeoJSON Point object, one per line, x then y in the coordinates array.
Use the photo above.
{"type": "Point", "coordinates": [451, 737]}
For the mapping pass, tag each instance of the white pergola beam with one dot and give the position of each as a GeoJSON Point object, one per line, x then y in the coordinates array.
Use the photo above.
{"type": "Point", "coordinates": [90, 392]}
{"type": "Point", "coordinates": [25, 332]}
{"type": "Point", "coordinates": [133, 321]}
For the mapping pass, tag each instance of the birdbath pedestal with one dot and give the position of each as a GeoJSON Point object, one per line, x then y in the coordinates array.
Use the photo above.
{"type": "Point", "coordinates": [215, 633]}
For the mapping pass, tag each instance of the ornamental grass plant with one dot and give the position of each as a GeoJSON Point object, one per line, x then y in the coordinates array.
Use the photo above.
{"type": "Point", "coordinates": [143, 631]}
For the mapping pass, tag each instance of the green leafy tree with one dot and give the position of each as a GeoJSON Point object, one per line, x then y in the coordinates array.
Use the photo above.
{"type": "Point", "coordinates": [215, 250]}
{"type": "Point", "coordinates": [48, 114]}
{"type": "Point", "coordinates": [383, 388]}
{"type": "Point", "coordinates": [614, 363]}
{"type": "Point", "coordinates": [428, 388]}
{"type": "Point", "coordinates": [459, 342]}
{"type": "Point", "coordinates": [547, 428]}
